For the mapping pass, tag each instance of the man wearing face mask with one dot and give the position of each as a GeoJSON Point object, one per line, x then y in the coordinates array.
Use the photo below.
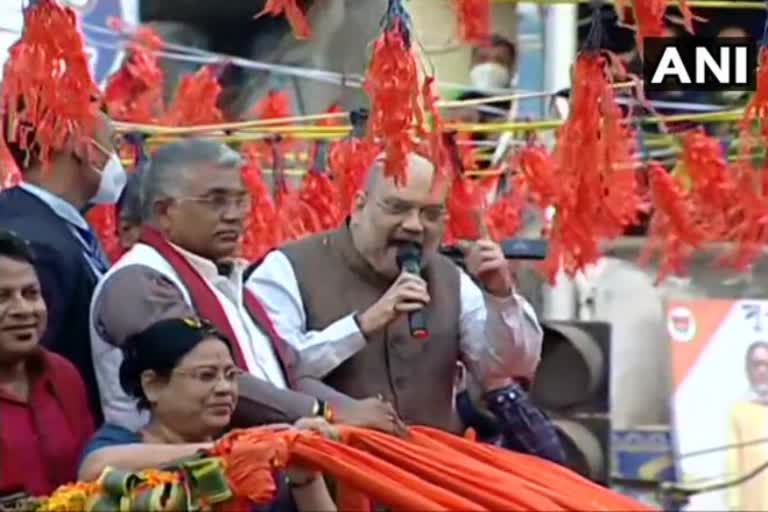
{"type": "Point", "coordinates": [47, 208]}
{"type": "Point", "coordinates": [492, 71]}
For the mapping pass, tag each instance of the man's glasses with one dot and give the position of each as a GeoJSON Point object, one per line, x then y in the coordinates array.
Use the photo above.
{"type": "Point", "coordinates": [220, 203]}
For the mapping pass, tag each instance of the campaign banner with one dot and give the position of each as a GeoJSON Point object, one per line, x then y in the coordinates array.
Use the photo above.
{"type": "Point", "coordinates": [719, 351]}
{"type": "Point", "coordinates": [104, 49]}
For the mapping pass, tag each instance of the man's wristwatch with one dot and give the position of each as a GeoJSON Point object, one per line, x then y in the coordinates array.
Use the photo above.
{"type": "Point", "coordinates": [323, 410]}
{"type": "Point", "coordinates": [300, 485]}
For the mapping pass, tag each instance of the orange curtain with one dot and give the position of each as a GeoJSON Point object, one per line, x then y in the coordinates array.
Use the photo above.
{"type": "Point", "coordinates": [429, 470]}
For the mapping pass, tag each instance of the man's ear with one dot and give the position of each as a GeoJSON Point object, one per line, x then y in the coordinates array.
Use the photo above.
{"type": "Point", "coordinates": [160, 210]}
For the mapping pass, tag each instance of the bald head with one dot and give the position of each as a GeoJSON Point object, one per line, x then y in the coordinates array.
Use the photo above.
{"type": "Point", "coordinates": [420, 170]}
{"type": "Point", "coordinates": [387, 214]}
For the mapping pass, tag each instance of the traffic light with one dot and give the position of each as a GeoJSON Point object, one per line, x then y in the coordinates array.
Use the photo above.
{"type": "Point", "coordinates": [572, 385]}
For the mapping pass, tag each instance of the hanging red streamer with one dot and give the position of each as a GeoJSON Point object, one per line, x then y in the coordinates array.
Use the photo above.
{"type": "Point", "coordinates": [474, 20]}
{"type": "Point", "coordinates": [348, 163]}
{"type": "Point", "coordinates": [319, 196]}
{"type": "Point", "coordinates": [675, 231]}
{"type": "Point", "coordinates": [49, 97]}
{"type": "Point", "coordinates": [260, 233]}
{"type": "Point", "coordinates": [392, 83]}
{"type": "Point", "coordinates": [597, 187]}
{"type": "Point", "coordinates": [196, 99]}
{"type": "Point", "coordinates": [293, 13]}
{"type": "Point", "coordinates": [135, 92]}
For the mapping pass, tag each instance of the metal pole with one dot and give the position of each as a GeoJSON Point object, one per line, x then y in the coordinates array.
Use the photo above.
{"type": "Point", "coordinates": [560, 24]}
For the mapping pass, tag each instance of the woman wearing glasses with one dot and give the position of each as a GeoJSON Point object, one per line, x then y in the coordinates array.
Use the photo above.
{"type": "Point", "coordinates": [182, 371]}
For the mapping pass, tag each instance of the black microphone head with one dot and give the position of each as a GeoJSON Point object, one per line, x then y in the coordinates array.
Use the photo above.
{"type": "Point", "coordinates": [408, 253]}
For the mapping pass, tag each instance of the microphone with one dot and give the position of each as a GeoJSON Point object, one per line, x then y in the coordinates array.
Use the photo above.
{"type": "Point", "coordinates": [409, 260]}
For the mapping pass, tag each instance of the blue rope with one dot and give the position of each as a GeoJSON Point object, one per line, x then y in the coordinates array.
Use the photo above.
{"type": "Point", "coordinates": [764, 41]}
{"type": "Point", "coordinates": [396, 11]}
{"type": "Point", "coordinates": [594, 39]}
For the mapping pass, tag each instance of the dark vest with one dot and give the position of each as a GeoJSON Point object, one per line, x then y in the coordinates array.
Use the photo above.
{"type": "Point", "coordinates": [417, 376]}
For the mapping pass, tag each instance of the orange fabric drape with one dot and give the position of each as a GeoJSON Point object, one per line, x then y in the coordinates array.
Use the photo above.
{"type": "Point", "coordinates": [428, 471]}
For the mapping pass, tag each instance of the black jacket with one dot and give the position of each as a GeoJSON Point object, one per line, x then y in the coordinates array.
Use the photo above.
{"type": "Point", "coordinates": [66, 278]}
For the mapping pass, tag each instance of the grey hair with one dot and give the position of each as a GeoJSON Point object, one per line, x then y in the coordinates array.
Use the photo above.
{"type": "Point", "coordinates": [169, 167]}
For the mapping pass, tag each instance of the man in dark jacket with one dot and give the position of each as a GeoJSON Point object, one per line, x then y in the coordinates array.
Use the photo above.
{"type": "Point", "coordinates": [78, 169]}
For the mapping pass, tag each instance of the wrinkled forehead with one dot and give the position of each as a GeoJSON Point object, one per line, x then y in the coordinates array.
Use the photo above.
{"type": "Point", "coordinates": [210, 178]}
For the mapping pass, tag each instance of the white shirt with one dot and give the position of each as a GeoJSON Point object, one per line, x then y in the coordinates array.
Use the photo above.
{"type": "Point", "coordinates": [75, 221]}
{"type": "Point", "coordinates": [499, 339]}
{"type": "Point", "coordinates": [256, 347]}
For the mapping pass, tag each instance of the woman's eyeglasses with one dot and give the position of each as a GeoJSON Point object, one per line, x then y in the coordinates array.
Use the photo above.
{"type": "Point", "coordinates": [209, 375]}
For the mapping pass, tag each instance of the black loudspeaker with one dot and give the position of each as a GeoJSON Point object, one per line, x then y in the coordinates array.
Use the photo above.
{"type": "Point", "coordinates": [572, 384]}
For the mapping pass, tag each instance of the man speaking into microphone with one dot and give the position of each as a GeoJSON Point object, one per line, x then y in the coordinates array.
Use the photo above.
{"type": "Point", "coordinates": [343, 299]}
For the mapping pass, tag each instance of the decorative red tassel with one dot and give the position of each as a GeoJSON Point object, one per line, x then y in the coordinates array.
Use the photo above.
{"type": "Point", "coordinates": [49, 96]}
{"type": "Point", "coordinates": [748, 212]}
{"type": "Point", "coordinates": [275, 105]}
{"type": "Point", "coordinates": [467, 200]}
{"type": "Point", "coordinates": [597, 194]}
{"type": "Point", "coordinates": [474, 20]}
{"type": "Point", "coordinates": [392, 83]}
{"type": "Point", "coordinates": [135, 92]}
{"type": "Point", "coordinates": [348, 163]}
{"type": "Point", "coordinates": [505, 216]}
{"type": "Point", "coordinates": [261, 235]}
{"type": "Point", "coordinates": [649, 19]}
{"type": "Point", "coordinates": [291, 211]}
{"type": "Point", "coordinates": [757, 110]}
{"type": "Point", "coordinates": [434, 136]}
{"type": "Point", "coordinates": [293, 13]}
{"type": "Point", "coordinates": [195, 102]}
{"type": "Point", "coordinates": [103, 220]}
{"type": "Point", "coordinates": [335, 108]}
{"type": "Point", "coordinates": [537, 170]}
{"type": "Point", "coordinates": [674, 231]}
{"type": "Point", "coordinates": [319, 196]}
{"type": "Point", "coordinates": [711, 181]}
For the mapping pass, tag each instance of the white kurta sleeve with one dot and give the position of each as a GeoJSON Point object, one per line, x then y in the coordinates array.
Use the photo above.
{"type": "Point", "coordinates": [500, 337]}
{"type": "Point", "coordinates": [319, 352]}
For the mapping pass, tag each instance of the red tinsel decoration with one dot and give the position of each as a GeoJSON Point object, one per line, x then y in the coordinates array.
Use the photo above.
{"type": "Point", "coordinates": [474, 20]}
{"type": "Point", "coordinates": [748, 214]}
{"type": "Point", "coordinates": [597, 193]}
{"type": "Point", "coordinates": [295, 15]}
{"type": "Point", "coordinates": [335, 108]}
{"type": "Point", "coordinates": [711, 181]}
{"type": "Point", "coordinates": [135, 92]}
{"type": "Point", "coordinates": [196, 100]}
{"type": "Point", "coordinates": [757, 110]}
{"type": "Point", "coordinates": [261, 233]}
{"type": "Point", "coordinates": [537, 170]}
{"type": "Point", "coordinates": [103, 220]}
{"type": "Point", "coordinates": [466, 202]}
{"type": "Point", "coordinates": [392, 83]}
{"type": "Point", "coordinates": [319, 196]}
{"type": "Point", "coordinates": [674, 231]}
{"type": "Point", "coordinates": [348, 163]}
{"type": "Point", "coordinates": [47, 82]}
{"type": "Point", "coordinates": [504, 218]}
{"type": "Point", "coordinates": [275, 105]}
{"type": "Point", "coordinates": [291, 211]}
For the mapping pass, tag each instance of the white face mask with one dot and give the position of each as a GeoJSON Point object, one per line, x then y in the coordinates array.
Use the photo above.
{"type": "Point", "coordinates": [113, 180]}
{"type": "Point", "coordinates": [490, 75]}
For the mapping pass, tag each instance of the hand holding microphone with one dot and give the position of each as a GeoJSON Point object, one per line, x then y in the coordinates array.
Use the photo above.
{"type": "Point", "coordinates": [407, 295]}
